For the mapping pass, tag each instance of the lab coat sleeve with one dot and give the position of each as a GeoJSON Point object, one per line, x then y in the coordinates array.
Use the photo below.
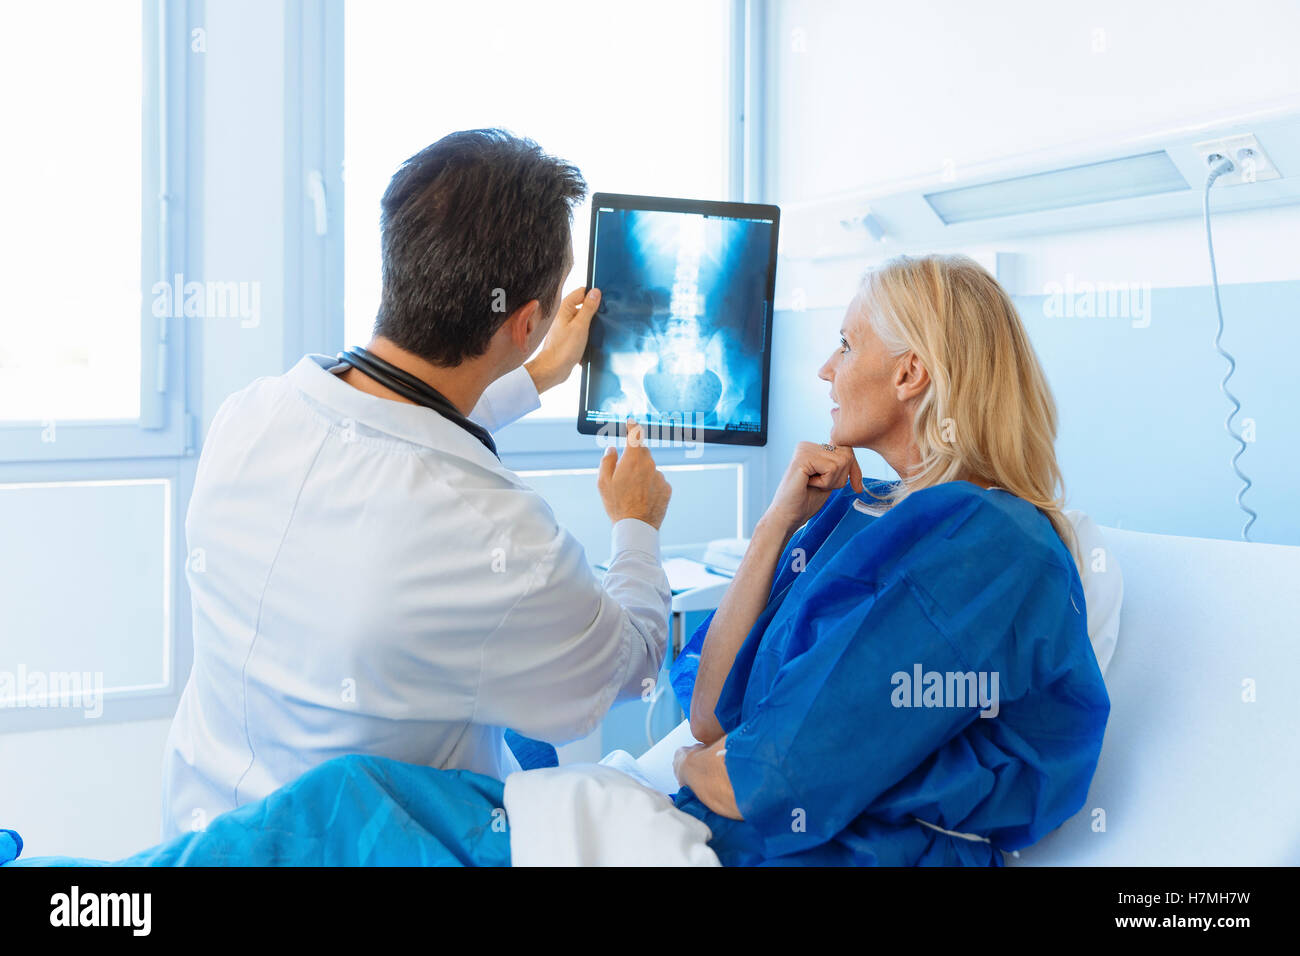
{"type": "Point", "coordinates": [506, 400]}
{"type": "Point", "coordinates": [572, 646]}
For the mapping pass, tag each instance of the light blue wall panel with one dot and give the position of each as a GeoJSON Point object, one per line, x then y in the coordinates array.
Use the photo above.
{"type": "Point", "coordinates": [1141, 440]}
{"type": "Point", "coordinates": [1141, 437]}
{"type": "Point", "coordinates": [704, 505]}
{"type": "Point", "coordinates": [84, 583]}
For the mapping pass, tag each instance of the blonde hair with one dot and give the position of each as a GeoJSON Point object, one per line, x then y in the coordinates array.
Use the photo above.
{"type": "Point", "coordinates": [988, 415]}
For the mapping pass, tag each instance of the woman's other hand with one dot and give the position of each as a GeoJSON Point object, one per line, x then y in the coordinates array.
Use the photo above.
{"type": "Point", "coordinates": [815, 472]}
{"type": "Point", "coordinates": [703, 768]}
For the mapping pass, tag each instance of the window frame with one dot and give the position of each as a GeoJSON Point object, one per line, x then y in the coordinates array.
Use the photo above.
{"type": "Point", "coordinates": [162, 442]}
{"type": "Point", "coordinates": [314, 185]}
{"type": "Point", "coordinates": [554, 443]}
{"type": "Point", "coordinates": [165, 427]}
{"type": "Point", "coordinates": [314, 227]}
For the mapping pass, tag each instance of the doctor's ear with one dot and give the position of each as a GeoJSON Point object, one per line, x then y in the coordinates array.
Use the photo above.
{"type": "Point", "coordinates": [520, 324]}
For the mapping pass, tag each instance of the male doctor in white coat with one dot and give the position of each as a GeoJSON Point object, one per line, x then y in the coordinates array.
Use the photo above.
{"type": "Point", "coordinates": [366, 576]}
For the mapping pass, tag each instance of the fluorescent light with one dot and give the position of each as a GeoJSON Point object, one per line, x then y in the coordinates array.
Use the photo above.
{"type": "Point", "coordinates": [1143, 175]}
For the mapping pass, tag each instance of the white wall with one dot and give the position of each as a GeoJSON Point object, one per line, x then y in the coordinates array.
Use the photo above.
{"type": "Point", "coordinates": [863, 94]}
{"type": "Point", "coordinates": [96, 791]}
{"type": "Point", "coordinates": [243, 194]}
{"type": "Point", "coordinates": [871, 92]}
{"type": "Point", "coordinates": [93, 791]}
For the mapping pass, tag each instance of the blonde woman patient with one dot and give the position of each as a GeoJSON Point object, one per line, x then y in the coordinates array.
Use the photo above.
{"type": "Point", "coordinates": [901, 672]}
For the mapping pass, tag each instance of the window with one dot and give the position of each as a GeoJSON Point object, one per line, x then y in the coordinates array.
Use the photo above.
{"type": "Point", "coordinates": [94, 215]}
{"type": "Point", "coordinates": [416, 71]}
{"type": "Point", "coordinates": [96, 438]}
{"type": "Point", "coordinates": [71, 244]}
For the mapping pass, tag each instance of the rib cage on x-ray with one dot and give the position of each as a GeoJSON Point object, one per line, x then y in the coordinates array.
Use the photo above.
{"type": "Point", "coordinates": [682, 323]}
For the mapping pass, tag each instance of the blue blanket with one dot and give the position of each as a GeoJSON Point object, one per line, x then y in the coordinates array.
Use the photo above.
{"type": "Point", "coordinates": [350, 811]}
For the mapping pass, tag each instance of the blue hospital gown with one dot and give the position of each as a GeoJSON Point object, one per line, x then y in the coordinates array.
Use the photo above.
{"type": "Point", "coordinates": [828, 768]}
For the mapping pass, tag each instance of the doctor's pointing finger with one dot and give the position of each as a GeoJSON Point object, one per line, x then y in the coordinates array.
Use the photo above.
{"type": "Point", "coordinates": [631, 486]}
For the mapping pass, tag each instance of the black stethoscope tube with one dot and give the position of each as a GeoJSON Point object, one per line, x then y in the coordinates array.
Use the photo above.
{"type": "Point", "coordinates": [411, 388]}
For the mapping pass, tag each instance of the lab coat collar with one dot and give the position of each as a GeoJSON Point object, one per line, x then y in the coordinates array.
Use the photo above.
{"type": "Point", "coordinates": [414, 423]}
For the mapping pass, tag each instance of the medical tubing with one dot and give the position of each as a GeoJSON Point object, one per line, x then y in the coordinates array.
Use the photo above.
{"type": "Point", "coordinates": [650, 714]}
{"type": "Point", "coordinates": [1224, 165]}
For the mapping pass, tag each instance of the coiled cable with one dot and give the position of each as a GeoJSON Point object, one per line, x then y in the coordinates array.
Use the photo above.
{"type": "Point", "coordinates": [1218, 166]}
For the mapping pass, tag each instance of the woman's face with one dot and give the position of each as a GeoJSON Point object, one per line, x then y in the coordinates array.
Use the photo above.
{"type": "Point", "coordinates": [869, 411]}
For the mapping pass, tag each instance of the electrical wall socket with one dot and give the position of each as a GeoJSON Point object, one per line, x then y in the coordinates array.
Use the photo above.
{"type": "Point", "coordinates": [1253, 166]}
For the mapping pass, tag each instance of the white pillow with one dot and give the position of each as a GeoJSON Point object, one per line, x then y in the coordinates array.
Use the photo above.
{"type": "Point", "coordinates": [1103, 587]}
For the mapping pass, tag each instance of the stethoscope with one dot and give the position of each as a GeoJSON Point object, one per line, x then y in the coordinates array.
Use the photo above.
{"type": "Point", "coordinates": [410, 387]}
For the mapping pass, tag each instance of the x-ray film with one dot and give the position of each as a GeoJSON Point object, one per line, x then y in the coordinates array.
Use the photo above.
{"type": "Point", "coordinates": [682, 339]}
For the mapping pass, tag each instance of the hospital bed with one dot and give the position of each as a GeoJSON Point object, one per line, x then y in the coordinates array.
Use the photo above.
{"type": "Point", "coordinates": [1200, 763]}
{"type": "Point", "coordinates": [1201, 759]}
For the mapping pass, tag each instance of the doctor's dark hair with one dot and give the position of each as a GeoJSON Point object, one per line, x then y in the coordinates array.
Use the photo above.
{"type": "Point", "coordinates": [472, 227]}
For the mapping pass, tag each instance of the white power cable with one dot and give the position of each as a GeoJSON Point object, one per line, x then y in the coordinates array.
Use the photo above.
{"type": "Point", "coordinates": [1218, 166]}
{"type": "Point", "coordinates": [650, 713]}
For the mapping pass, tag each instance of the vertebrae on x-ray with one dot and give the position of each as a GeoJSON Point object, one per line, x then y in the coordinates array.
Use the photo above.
{"type": "Point", "coordinates": [683, 384]}
{"type": "Point", "coordinates": [684, 352]}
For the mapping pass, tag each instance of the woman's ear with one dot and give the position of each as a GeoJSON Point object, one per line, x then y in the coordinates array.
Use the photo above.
{"type": "Point", "coordinates": [911, 378]}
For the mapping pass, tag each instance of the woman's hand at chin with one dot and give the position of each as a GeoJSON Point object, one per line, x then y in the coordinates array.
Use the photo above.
{"type": "Point", "coordinates": [815, 473]}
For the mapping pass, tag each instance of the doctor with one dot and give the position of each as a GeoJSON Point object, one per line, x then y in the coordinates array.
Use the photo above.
{"type": "Point", "coordinates": [366, 576]}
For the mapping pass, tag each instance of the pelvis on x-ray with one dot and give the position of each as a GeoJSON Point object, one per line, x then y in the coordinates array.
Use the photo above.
{"type": "Point", "coordinates": [693, 394]}
{"type": "Point", "coordinates": [680, 372]}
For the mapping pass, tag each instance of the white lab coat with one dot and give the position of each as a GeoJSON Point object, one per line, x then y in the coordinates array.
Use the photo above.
{"type": "Point", "coordinates": [367, 577]}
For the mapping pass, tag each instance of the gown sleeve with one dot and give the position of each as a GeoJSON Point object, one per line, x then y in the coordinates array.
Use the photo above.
{"type": "Point", "coordinates": [941, 587]}
{"type": "Point", "coordinates": [803, 544]}
{"type": "Point", "coordinates": [1016, 777]}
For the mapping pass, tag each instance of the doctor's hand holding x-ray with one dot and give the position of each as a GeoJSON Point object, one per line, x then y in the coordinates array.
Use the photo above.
{"type": "Point", "coordinates": [566, 340]}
